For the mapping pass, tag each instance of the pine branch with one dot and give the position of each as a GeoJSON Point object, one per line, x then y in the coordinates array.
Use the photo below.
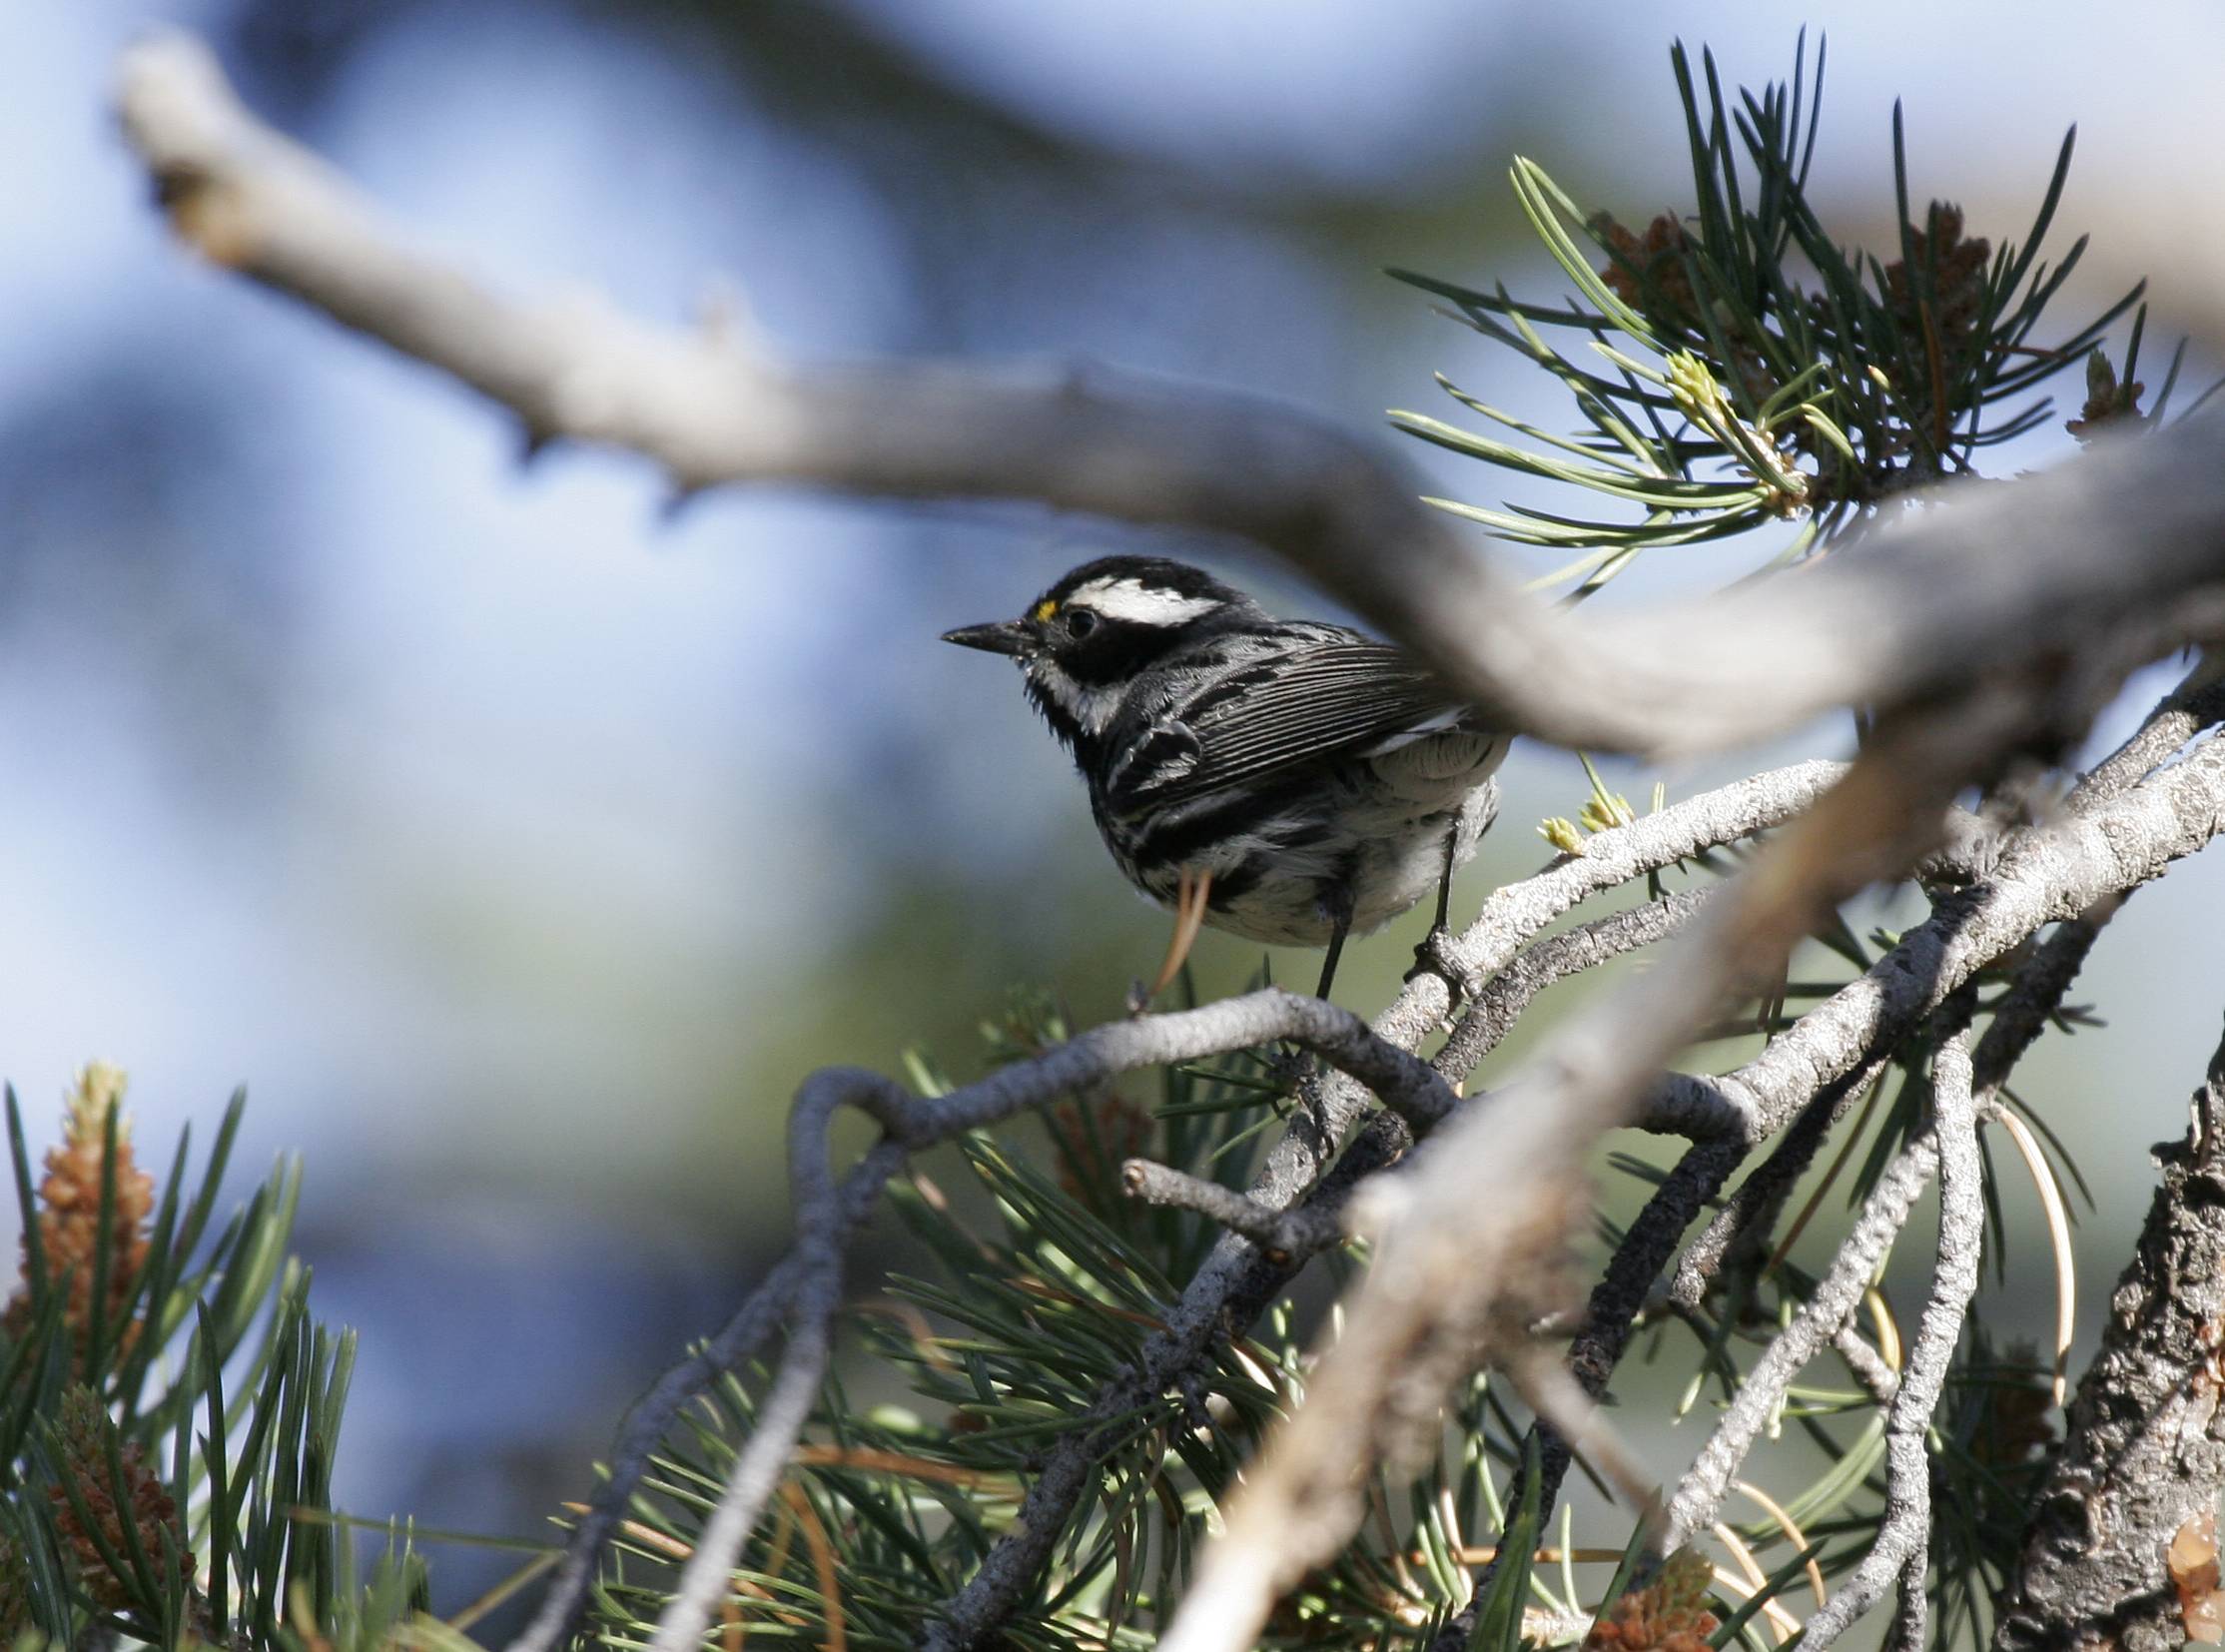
{"type": "Point", "coordinates": [800, 1287]}
{"type": "Point", "coordinates": [1454, 1280]}
{"type": "Point", "coordinates": [1752, 1211]}
{"type": "Point", "coordinates": [1830, 1307]}
{"type": "Point", "coordinates": [1511, 991]}
{"type": "Point", "coordinates": [2196, 703]}
{"type": "Point", "coordinates": [2049, 873]}
{"type": "Point", "coordinates": [1233, 1284]}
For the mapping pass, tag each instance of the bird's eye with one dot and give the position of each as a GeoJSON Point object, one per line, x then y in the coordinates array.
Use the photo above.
{"type": "Point", "coordinates": [1081, 623]}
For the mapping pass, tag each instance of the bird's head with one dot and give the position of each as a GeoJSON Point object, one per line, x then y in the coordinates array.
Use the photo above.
{"type": "Point", "coordinates": [1086, 640]}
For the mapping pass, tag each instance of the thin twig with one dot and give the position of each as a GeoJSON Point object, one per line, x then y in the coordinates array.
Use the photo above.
{"type": "Point", "coordinates": [1294, 1233]}
{"type": "Point", "coordinates": [2025, 1011]}
{"type": "Point", "coordinates": [1912, 1610]}
{"type": "Point", "coordinates": [1559, 1400]}
{"type": "Point", "coordinates": [1749, 1213]}
{"type": "Point", "coordinates": [1515, 986]}
{"type": "Point", "coordinates": [1868, 1364]}
{"type": "Point", "coordinates": [2048, 873]}
{"type": "Point", "coordinates": [1609, 1320]}
{"type": "Point", "coordinates": [706, 1580]}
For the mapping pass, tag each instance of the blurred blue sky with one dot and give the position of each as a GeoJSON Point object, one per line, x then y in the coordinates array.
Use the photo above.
{"type": "Point", "coordinates": [514, 843]}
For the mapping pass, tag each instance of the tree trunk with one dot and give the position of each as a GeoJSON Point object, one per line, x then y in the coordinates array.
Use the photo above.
{"type": "Point", "coordinates": [2122, 1544]}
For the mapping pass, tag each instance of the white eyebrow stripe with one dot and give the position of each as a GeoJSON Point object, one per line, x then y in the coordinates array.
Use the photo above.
{"type": "Point", "coordinates": [1132, 600]}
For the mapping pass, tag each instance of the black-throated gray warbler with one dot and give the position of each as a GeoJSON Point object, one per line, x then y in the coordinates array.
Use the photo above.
{"type": "Point", "coordinates": [1286, 781]}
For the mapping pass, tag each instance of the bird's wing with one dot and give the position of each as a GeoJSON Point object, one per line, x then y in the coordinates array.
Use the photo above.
{"type": "Point", "coordinates": [1336, 696]}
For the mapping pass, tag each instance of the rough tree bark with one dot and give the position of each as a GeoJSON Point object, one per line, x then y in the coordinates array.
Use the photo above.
{"type": "Point", "coordinates": [2146, 1453]}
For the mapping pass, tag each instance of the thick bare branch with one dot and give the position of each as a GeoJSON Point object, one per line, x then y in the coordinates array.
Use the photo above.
{"type": "Point", "coordinates": [1868, 1364]}
{"type": "Point", "coordinates": [2145, 1450]}
{"type": "Point", "coordinates": [1513, 915]}
{"type": "Point", "coordinates": [758, 1467]}
{"type": "Point", "coordinates": [1928, 607]}
{"type": "Point", "coordinates": [2196, 703]}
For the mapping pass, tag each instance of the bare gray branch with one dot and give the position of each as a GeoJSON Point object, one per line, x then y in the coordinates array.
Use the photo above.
{"type": "Point", "coordinates": [803, 1286]}
{"type": "Point", "coordinates": [1931, 606]}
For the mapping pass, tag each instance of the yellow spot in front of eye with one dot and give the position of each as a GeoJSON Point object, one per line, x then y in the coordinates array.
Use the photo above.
{"type": "Point", "coordinates": [1044, 610]}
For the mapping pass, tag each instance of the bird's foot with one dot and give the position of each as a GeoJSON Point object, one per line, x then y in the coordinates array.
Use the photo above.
{"type": "Point", "coordinates": [1289, 1067]}
{"type": "Point", "coordinates": [1435, 956]}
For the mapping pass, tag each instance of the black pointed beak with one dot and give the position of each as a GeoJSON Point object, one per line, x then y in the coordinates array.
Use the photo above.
{"type": "Point", "coordinates": [1002, 636]}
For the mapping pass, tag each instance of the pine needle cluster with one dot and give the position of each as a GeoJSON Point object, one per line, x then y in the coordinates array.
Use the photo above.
{"type": "Point", "coordinates": [169, 1409]}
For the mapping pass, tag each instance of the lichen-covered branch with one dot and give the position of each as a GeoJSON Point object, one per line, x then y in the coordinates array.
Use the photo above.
{"type": "Point", "coordinates": [1236, 1281]}
{"type": "Point", "coordinates": [1456, 1280]}
{"type": "Point", "coordinates": [1897, 1552]}
{"type": "Point", "coordinates": [1514, 915]}
{"type": "Point", "coordinates": [2047, 874]}
{"type": "Point", "coordinates": [1752, 1209]}
{"type": "Point", "coordinates": [1510, 992]}
{"type": "Point", "coordinates": [2069, 869]}
{"type": "Point", "coordinates": [2195, 704]}
{"type": "Point", "coordinates": [2144, 1457]}
{"type": "Point", "coordinates": [1693, 1506]}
